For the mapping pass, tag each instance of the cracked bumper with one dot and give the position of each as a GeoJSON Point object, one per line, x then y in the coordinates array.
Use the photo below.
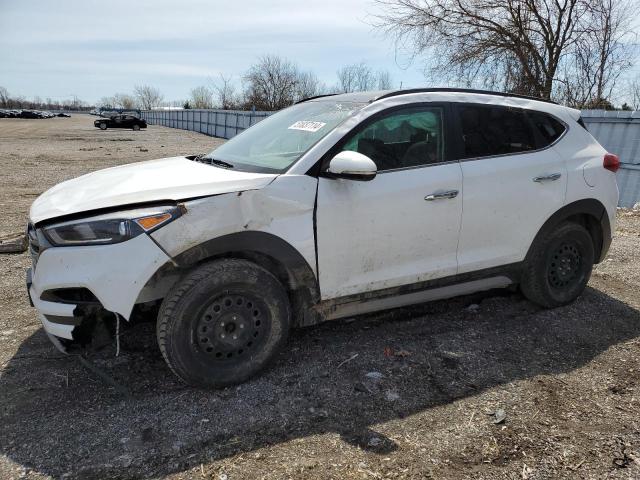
{"type": "Point", "coordinates": [114, 274]}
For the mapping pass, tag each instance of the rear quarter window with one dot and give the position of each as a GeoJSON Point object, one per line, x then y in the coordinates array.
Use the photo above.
{"type": "Point", "coordinates": [547, 128]}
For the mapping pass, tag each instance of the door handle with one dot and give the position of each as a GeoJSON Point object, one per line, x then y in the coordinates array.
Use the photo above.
{"type": "Point", "coordinates": [441, 195]}
{"type": "Point", "coordinates": [547, 178]}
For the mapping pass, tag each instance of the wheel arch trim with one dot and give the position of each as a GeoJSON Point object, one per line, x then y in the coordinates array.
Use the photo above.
{"type": "Point", "coordinates": [589, 206]}
{"type": "Point", "coordinates": [251, 245]}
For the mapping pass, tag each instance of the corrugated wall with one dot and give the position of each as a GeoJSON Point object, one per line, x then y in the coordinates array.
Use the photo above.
{"type": "Point", "coordinates": [215, 123]}
{"type": "Point", "coordinates": [618, 132]}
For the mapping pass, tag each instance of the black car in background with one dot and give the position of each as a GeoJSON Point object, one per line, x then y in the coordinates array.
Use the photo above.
{"type": "Point", "coordinates": [120, 121]}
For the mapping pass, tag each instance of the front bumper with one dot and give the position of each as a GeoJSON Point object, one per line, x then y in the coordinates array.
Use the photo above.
{"type": "Point", "coordinates": [114, 274]}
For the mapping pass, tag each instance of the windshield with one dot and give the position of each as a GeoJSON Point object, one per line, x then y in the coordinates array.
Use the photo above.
{"type": "Point", "coordinates": [278, 141]}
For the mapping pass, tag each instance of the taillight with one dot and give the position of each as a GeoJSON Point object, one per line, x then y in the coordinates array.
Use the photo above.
{"type": "Point", "coordinates": [611, 162]}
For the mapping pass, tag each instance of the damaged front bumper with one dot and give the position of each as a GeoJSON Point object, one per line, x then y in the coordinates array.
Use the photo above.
{"type": "Point", "coordinates": [71, 286]}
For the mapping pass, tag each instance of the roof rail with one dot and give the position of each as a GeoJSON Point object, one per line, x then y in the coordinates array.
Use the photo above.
{"type": "Point", "coordinates": [460, 90]}
{"type": "Point", "coordinates": [317, 96]}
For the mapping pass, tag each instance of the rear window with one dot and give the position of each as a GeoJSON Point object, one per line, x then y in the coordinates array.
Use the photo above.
{"type": "Point", "coordinates": [548, 128]}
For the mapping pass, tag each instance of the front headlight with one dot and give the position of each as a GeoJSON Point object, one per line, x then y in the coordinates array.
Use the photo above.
{"type": "Point", "coordinates": [112, 227]}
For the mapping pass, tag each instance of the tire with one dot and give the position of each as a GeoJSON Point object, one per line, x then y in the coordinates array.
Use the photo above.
{"type": "Point", "coordinates": [223, 323]}
{"type": "Point", "coordinates": [136, 127]}
{"type": "Point", "coordinates": [103, 126]}
{"type": "Point", "coordinates": [558, 267]}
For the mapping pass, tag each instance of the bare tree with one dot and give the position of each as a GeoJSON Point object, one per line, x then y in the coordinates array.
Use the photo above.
{"type": "Point", "coordinates": [124, 100]}
{"type": "Point", "coordinates": [346, 81]}
{"type": "Point", "coordinates": [201, 97]}
{"type": "Point", "coordinates": [148, 96]}
{"type": "Point", "coordinates": [519, 44]}
{"type": "Point", "coordinates": [107, 102]}
{"type": "Point", "coordinates": [600, 56]}
{"type": "Point", "coordinates": [4, 97]}
{"type": "Point", "coordinates": [359, 77]}
{"type": "Point", "coordinates": [384, 80]}
{"type": "Point", "coordinates": [7, 101]}
{"type": "Point", "coordinates": [271, 83]}
{"type": "Point", "coordinates": [634, 92]}
{"type": "Point", "coordinates": [19, 102]}
{"type": "Point", "coordinates": [225, 93]}
{"type": "Point", "coordinates": [308, 86]}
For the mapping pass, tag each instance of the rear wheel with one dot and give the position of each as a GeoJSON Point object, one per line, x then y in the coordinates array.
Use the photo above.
{"type": "Point", "coordinates": [136, 127]}
{"type": "Point", "coordinates": [223, 323]}
{"type": "Point", "coordinates": [559, 266]}
{"type": "Point", "coordinates": [103, 126]}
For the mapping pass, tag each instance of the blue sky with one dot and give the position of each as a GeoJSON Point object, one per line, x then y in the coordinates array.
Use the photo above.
{"type": "Point", "coordinates": [94, 48]}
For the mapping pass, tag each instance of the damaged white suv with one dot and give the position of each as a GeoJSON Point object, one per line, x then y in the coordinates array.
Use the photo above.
{"type": "Point", "coordinates": [333, 207]}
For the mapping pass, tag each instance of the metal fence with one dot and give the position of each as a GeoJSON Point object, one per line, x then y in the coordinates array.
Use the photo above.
{"type": "Point", "coordinates": [618, 132]}
{"type": "Point", "coordinates": [216, 123]}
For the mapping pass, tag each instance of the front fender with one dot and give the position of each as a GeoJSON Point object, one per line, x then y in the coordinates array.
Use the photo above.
{"type": "Point", "coordinates": [275, 221]}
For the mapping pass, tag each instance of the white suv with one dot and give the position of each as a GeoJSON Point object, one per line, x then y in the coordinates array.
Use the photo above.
{"type": "Point", "coordinates": [334, 207]}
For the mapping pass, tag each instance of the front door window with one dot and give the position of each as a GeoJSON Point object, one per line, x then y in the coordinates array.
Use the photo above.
{"type": "Point", "coordinates": [403, 139]}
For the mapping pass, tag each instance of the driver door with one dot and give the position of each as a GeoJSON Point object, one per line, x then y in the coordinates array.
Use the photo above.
{"type": "Point", "coordinates": [401, 227]}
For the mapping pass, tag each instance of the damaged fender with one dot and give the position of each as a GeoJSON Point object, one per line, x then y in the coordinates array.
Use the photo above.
{"type": "Point", "coordinates": [275, 221]}
{"type": "Point", "coordinates": [284, 209]}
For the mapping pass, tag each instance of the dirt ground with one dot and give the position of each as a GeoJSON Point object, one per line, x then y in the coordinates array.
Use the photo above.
{"type": "Point", "coordinates": [37, 154]}
{"type": "Point", "coordinates": [412, 393]}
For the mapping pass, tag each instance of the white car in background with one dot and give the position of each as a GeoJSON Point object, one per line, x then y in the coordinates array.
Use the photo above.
{"type": "Point", "coordinates": [334, 207]}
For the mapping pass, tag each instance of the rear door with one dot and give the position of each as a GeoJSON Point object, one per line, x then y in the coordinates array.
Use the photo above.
{"type": "Point", "coordinates": [401, 227]}
{"type": "Point", "coordinates": [512, 185]}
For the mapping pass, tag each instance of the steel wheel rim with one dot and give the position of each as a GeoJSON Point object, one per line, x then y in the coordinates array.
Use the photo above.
{"type": "Point", "coordinates": [565, 265]}
{"type": "Point", "coordinates": [232, 327]}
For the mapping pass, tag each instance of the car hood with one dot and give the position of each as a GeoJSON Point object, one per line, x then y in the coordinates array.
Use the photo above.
{"type": "Point", "coordinates": [175, 179]}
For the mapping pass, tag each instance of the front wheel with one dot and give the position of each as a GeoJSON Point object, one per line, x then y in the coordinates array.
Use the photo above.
{"type": "Point", "coordinates": [136, 127]}
{"type": "Point", "coordinates": [559, 266]}
{"type": "Point", "coordinates": [103, 126]}
{"type": "Point", "coordinates": [223, 323]}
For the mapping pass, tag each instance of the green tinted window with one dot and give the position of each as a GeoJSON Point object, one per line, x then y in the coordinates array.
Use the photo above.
{"type": "Point", "coordinates": [406, 138]}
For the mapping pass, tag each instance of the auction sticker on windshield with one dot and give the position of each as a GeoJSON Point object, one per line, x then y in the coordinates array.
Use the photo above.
{"type": "Point", "coordinates": [307, 126]}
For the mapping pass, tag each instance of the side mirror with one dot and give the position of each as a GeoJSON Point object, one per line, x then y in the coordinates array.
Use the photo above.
{"type": "Point", "coordinates": [352, 166]}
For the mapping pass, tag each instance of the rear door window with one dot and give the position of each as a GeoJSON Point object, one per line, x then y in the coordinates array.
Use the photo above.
{"type": "Point", "coordinates": [492, 130]}
{"type": "Point", "coordinates": [548, 128]}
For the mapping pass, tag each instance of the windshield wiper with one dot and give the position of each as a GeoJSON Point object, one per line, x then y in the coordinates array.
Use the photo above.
{"type": "Point", "coordinates": [213, 161]}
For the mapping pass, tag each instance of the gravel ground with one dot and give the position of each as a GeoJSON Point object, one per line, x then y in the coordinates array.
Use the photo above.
{"type": "Point", "coordinates": [483, 386]}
